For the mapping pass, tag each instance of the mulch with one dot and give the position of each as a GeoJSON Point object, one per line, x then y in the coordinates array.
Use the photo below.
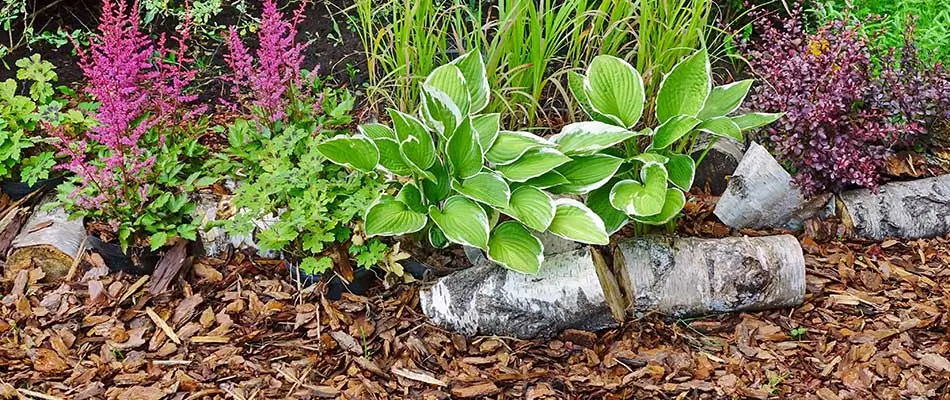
{"type": "Point", "coordinates": [874, 325]}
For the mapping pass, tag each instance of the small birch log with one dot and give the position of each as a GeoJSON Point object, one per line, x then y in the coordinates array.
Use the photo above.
{"type": "Point", "coordinates": [48, 240]}
{"type": "Point", "coordinates": [719, 164]}
{"type": "Point", "coordinates": [761, 194]}
{"type": "Point", "coordinates": [913, 209]}
{"type": "Point", "coordinates": [217, 241]}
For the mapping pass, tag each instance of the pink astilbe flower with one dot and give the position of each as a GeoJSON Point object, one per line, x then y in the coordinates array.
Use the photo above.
{"type": "Point", "coordinates": [264, 83]}
{"type": "Point", "coordinates": [137, 90]}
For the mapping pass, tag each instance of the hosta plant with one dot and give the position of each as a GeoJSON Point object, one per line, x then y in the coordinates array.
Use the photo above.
{"type": "Point", "coordinates": [653, 169]}
{"type": "Point", "coordinates": [457, 172]}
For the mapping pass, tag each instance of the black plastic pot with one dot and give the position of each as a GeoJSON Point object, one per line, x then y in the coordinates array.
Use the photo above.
{"type": "Point", "coordinates": [140, 261]}
{"type": "Point", "coordinates": [362, 278]}
{"type": "Point", "coordinates": [19, 190]}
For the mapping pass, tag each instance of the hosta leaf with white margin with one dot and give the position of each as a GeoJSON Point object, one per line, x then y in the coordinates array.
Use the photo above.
{"type": "Point", "coordinates": [411, 196]}
{"type": "Point", "coordinates": [418, 154]}
{"type": "Point", "coordinates": [472, 66]}
{"type": "Point", "coordinates": [755, 120]}
{"type": "Point", "coordinates": [436, 188]}
{"type": "Point", "coordinates": [673, 130]}
{"type": "Point", "coordinates": [462, 221]}
{"type": "Point", "coordinates": [549, 179]}
{"type": "Point", "coordinates": [681, 169]}
{"type": "Point", "coordinates": [533, 163]}
{"type": "Point", "coordinates": [589, 137]}
{"type": "Point", "coordinates": [357, 152]}
{"type": "Point", "coordinates": [575, 82]}
{"type": "Point", "coordinates": [511, 145]}
{"type": "Point", "coordinates": [651, 158]}
{"type": "Point", "coordinates": [387, 143]}
{"type": "Point", "coordinates": [722, 127]}
{"type": "Point", "coordinates": [446, 100]}
{"type": "Point", "coordinates": [615, 89]}
{"type": "Point", "coordinates": [375, 131]}
{"type": "Point", "coordinates": [532, 207]}
{"type": "Point", "coordinates": [485, 187]}
{"type": "Point", "coordinates": [641, 199]}
{"type": "Point", "coordinates": [463, 153]}
{"type": "Point", "coordinates": [515, 248]}
{"type": "Point", "coordinates": [405, 125]}
{"type": "Point", "coordinates": [390, 217]}
{"type": "Point", "coordinates": [586, 173]}
{"type": "Point", "coordinates": [574, 221]}
{"type": "Point", "coordinates": [725, 99]}
{"type": "Point", "coordinates": [436, 238]}
{"type": "Point", "coordinates": [599, 202]}
{"type": "Point", "coordinates": [492, 213]}
{"type": "Point", "coordinates": [684, 90]}
{"type": "Point", "coordinates": [672, 205]}
{"type": "Point", "coordinates": [486, 126]}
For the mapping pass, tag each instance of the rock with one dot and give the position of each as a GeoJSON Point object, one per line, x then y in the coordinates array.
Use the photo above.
{"type": "Point", "coordinates": [907, 210]}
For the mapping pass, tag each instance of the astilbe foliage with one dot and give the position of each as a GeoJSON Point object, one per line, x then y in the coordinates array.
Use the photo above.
{"type": "Point", "coordinates": [842, 120]}
{"type": "Point", "coordinates": [262, 85]}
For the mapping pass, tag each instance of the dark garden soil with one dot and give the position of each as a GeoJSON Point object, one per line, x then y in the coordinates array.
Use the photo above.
{"type": "Point", "coordinates": [875, 325]}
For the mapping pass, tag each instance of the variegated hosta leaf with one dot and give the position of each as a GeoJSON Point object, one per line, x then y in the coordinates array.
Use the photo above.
{"type": "Point", "coordinates": [586, 173]}
{"type": "Point", "coordinates": [672, 205]}
{"type": "Point", "coordinates": [463, 152]}
{"type": "Point", "coordinates": [411, 196]}
{"type": "Point", "coordinates": [390, 157]}
{"type": "Point", "coordinates": [418, 154]}
{"type": "Point", "coordinates": [405, 125]}
{"type": "Point", "coordinates": [672, 130]}
{"type": "Point", "coordinates": [462, 221]}
{"type": "Point", "coordinates": [589, 137]}
{"type": "Point", "coordinates": [575, 82]}
{"type": "Point", "coordinates": [684, 90]}
{"type": "Point", "coordinates": [615, 89]}
{"type": "Point", "coordinates": [649, 158]}
{"type": "Point", "coordinates": [532, 207]}
{"type": "Point", "coordinates": [436, 238]}
{"type": "Point", "coordinates": [641, 199]}
{"type": "Point", "coordinates": [440, 111]}
{"type": "Point", "coordinates": [755, 120]}
{"type": "Point", "coordinates": [485, 187]}
{"type": "Point", "coordinates": [472, 66]}
{"type": "Point", "coordinates": [722, 127]}
{"type": "Point", "coordinates": [599, 202]}
{"type": "Point", "coordinates": [511, 145]}
{"type": "Point", "coordinates": [486, 126]}
{"type": "Point", "coordinates": [533, 163]}
{"type": "Point", "coordinates": [376, 131]}
{"type": "Point", "coordinates": [357, 152]}
{"type": "Point", "coordinates": [436, 187]}
{"type": "Point", "coordinates": [549, 179]}
{"type": "Point", "coordinates": [390, 217]}
{"type": "Point", "coordinates": [448, 79]}
{"type": "Point", "coordinates": [574, 221]}
{"type": "Point", "coordinates": [681, 169]}
{"type": "Point", "coordinates": [725, 99]}
{"type": "Point", "coordinates": [515, 248]}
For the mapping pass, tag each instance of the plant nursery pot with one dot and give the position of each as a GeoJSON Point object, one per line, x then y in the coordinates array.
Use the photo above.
{"type": "Point", "coordinates": [140, 260]}
{"type": "Point", "coordinates": [363, 278]}
{"type": "Point", "coordinates": [18, 190]}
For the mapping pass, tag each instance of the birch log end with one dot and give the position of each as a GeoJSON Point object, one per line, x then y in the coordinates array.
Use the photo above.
{"type": "Point", "coordinates": [913, 209]}
{"type": "Point", "coordinates": [761, 194]}
{"type": "Point", "coordinates": [685, 277]}
{"type": "Point", "coordinates": [49, 240]}
{"type": "Point", "coordinates": [719, 164]}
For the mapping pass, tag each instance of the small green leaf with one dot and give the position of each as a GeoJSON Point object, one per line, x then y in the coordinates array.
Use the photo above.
{"type": "Point", "coordinates": [681, 169]}
{"type": "Point", "coordinates": [436, 238]}
{"type": "Point", "coordinates": [390, 217]}
{"type": "Point", "coordinates": [533, 163]}
{"type": "Point", "coordinates": [574, 221]}
{"type": "Point", "coordinates": [583, 138]}
{"type": "Point", "coordinates": [722, 127]}
{"type": "Point", "coordinates": [599, 202]}
{"type": "Point", "coordinates": [357, 152]}
{"type": "Point", "coordinates": [672, 130]}
{"type": "Point", "coordinates": [672, 205]}
{"type": "Point", "coordinates": [511, 145]}
{"type": "Point", "coordinates": [157, 240]}
{"type": "Point", "coordinates": [615, 89]}
{"type": "Point", "coordinates": [515, 248]}
{"type": "Point", "coordinates": [725, 99]}
{"type": "Point", "coordinates": [755, 120]}
{"type": "Point", "coordinates": [463, 153]}
{"type": "Point", "coordinates": [586, 173]}
{"type": "Point", "coordinates": [485, 187]}
{"type": "Point", "coordinates": [472, 66]}
{"type": "Point", "coordinates": [532, 207]}
{"type": "Point", "coordinates": [462, 221]}
{"type": "Point", "coordinates": [641, 199]}
{"type": "Point", "coordinates": [486, 125]}
{"type": "Point", "coordinates": [685, 89]}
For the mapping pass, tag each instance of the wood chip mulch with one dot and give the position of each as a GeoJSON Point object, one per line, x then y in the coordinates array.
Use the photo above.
{"type": "Point", "coordinates": [875, 325]}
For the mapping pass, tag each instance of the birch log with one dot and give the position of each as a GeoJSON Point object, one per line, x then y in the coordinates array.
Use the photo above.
{"type": "Point", "coordinates": [678, 277]}
{"type": "Point", "coordinates": [49, 240]}
{"type": "Point", "coordinates": [761, 194]}
{"type": "Point", "coordinates": [718, 165]}
{"type": "Point", "coordinates": [216, 240]}
{"type": "Point", "coordinates": [913, 209]}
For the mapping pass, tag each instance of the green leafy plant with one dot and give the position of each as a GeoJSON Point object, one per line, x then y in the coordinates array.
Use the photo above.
{"type": "Point", "coordinates": [458, 172]}
{"type": "Point", "coordinates": [798, 333]}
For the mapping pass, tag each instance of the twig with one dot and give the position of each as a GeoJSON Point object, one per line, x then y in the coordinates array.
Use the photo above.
{"type": "Point", "coordinates": [38, 395]}
{"type": "Point", "coordinates": [162, 325]}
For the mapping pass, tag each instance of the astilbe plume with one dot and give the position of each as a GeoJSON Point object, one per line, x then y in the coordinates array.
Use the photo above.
{"type": "Point", "coordinates": [137, 90]}
{"type": "Point", "coordinates": [263, 84]}
{"type": "Point", "coordinates": [842, 120]}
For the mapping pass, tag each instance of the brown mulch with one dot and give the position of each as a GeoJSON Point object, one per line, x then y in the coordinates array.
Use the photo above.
{"type": "Point", "coordinates": [875, 324]}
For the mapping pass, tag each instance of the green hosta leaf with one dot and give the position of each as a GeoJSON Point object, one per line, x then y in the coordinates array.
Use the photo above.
{"type": "Point", "coordinates": [755, 120]}
{"type": "Point", "coordinates": [515, 248]}
{"type": "Point", "coordinates": [357, 152]}
{"type": "Point", "coordinates": [725, 99]}
{"type": "Point", "coordinates": [411, 196]}
{"type": "Point", "coordinates": [672, 130]}
{"type": "Point", "coordinates": [377, 131]}
{"type": "Point", "coordinates": [418, 153]}
{"type": "Point", "coordinates": [440, 111]}
{"type": "Point", "coordinates": [492, 213]}
{"type": "Point", "coordinates": [436, 188]}
{"type": "Point", "coordinates": [485, 187]}
{"type": "Point", "coordinates": [533, 163]}
{"type": "Point", "coordinates": [575, 82]}
{"type": "Point", "coordinates": [532, 207]}
{"type": "Point", "coordinates": [574, 221]}
{"type": "Point", "coordinates": [599, 202]}
{"type": "Point", "coordinates": [462, 221]}
{"type": "Point", "coordinates": [685, 89]}
{"type": "Point", "coordinates": [511, 145]}
{"type": "Point", "coordinates": [472, 66]}
{"type": "Point", "coordinates": [615, 89]}
{"type": "Point", "coordinates": [448, 79]}
{"type": "Point", "coordinates": [586, 173]}
{"type": "Point", "coordinates": [463, 153]}
{"type": "Point", "coordinates": [390, 217]}
{"type": "Point", "coordinates": [590, 137]}
{"type": "Point", "coordinates": [681, 169]}
{"type": "Point", "coordinates": [390, 157]}
{"type": "Point", "coordinates": [436, 238]}
{"type": "Point", "coordinates": [722, 127]}
{"type": "Point", "coordinates": [641, 199]}
{"type": "Point", "coordinates": [550, 179]}
{"type": "Point", "coordinates": [405, 126]}
{"type": "Point", "coordinates": [650, 158]}
{"type": "Point", "coordinates": [672, 205]}
{"type": "Point", "coordinates": [486, 125]}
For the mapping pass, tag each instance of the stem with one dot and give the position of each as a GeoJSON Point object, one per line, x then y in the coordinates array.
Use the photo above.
{"type": "Point", "coordinates": [708, 147]}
